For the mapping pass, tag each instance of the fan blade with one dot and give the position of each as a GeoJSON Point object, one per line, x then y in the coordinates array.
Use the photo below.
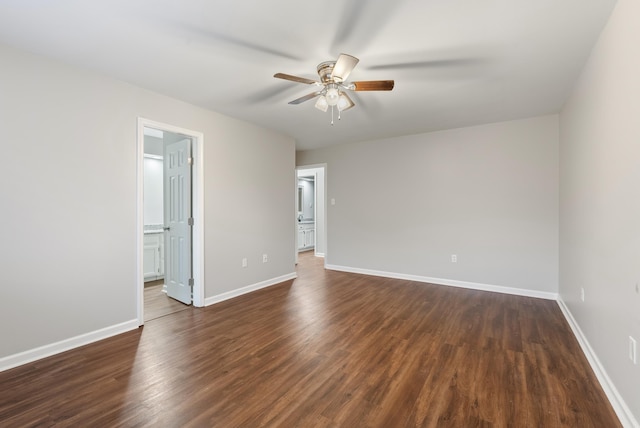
{"type": "Point", "coordinates": [373, 85]}
{"type": "Point", "coordinates": [206, 35]}
{"type": "Point", "coordinates": [344, 65]}
{"type": "Point", "coordinates": [305, 98]}
{"type": "Point", "coordinates": [294, 78]}
{"type": "Point", "coordinates": [267, 93]}
{"type": "Point", "coordinates": [360, 21]}
{"type": "Point", "coordinates": [438, 63]}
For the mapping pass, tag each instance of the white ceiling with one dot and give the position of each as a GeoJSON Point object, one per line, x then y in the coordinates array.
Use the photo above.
{"type": "Point", "coordinates": [471, 61]}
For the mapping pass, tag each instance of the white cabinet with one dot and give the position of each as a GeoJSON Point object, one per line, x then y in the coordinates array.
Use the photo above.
{"type": "Point", "coordinates": [309, 238]}
{"type": "Point", "coordinates": [306, 236]}
{"type": "Point", "coordinates": [153, 256]}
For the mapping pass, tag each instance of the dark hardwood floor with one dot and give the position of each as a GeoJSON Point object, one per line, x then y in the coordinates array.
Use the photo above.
{"type": "Point", "coordinates": [330, 349]}
{"type": "Point", "coordinates": [157, 304]}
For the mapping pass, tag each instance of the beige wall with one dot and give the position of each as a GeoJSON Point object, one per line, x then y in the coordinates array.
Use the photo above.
{"type": "Point", "coordinates": [488, 194]}
{"type": "Point", "coordinates": [68, 249]}
{"type": "Point", "coordinates": [600, 200]}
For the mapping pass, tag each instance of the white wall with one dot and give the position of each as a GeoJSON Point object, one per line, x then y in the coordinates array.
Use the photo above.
{"type": "Point", "coordinates": [68, 250]}
{"type": "Point", "coordinates": [600, 200]}
{"type": "Point", "coordinates": [153, 145]}
{"type": "Point", "coordinates": [488, 194]}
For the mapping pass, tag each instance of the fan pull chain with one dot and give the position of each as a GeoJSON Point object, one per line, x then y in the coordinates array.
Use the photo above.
{"type": "Point", "coordinates": [331, 115]}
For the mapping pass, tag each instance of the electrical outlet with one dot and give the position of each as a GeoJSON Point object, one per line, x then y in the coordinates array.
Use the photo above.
{"type": "Point", "coordinates": [582, 294]}
{"type": "Point", "coordinates": [633, 354]}
{"type": "Point", "coordinates": [244, 262]}
{"type": "Point", "coordinates": [454, 258]}
{"type": "Point", "coordinates": [265, 258]}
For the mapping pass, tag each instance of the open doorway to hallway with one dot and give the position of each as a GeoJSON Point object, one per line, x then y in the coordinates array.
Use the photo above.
{"type": "Point", "coordinates": [170, 220]}
{"type": "Point", "coordinates": [162, 260]}
{"type": "Point", "coordinates": [311, 212]}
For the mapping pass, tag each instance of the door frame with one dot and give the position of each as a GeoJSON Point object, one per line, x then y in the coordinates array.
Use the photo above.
{"type": "Point", "coordinates": [322, 166]}
{"type": "Point", "coordinates": [197, 190]}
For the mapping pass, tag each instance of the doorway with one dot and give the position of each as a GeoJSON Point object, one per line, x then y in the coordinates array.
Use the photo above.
{"type": "Point", "coordinates": [170, 213]}
{"type": "Point", "coordinates": [311, 212]}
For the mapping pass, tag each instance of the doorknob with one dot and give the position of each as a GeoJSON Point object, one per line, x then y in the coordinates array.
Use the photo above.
{"type": "Point", "coordinates": [166, 228]}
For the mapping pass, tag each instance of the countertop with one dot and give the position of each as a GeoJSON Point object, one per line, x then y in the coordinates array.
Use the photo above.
{"type": "Point", "coordinates": [153, 228]}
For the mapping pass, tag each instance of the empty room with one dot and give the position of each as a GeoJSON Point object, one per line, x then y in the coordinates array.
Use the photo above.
{"type": "Point", "coordinates": [300, 214]}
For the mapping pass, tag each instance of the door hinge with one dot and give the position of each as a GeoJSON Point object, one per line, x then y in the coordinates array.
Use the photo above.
{"type": "Point", "coordinates": [190, 221]}
{"type": "Point", "coordinates": [191, 282]}
{"type": "Point", "coordinates": [190, 160]}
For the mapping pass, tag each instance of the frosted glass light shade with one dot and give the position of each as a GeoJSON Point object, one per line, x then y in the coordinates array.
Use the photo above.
{"type": "Point", "coordinates": [322, 104]}
{"type": "Point", "coordinates": [332, 96]}
{"type": "Point", "coordinates": [344, 102]}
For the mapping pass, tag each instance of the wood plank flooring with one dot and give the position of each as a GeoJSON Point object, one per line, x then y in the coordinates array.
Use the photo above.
{"type": "Point", "coordinates": [157, 304]}
{"type": "Point", "coordinates": [330, 349]}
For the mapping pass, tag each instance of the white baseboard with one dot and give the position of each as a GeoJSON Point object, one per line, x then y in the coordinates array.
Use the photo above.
{"type": "Point", "coordinates": [319, 254]}
{"type": "Point", "coordinates": [25, 357]}
{"type": "Point", "coordinates": [450, 282]}
{"type": "Point", "coordinates": [619, 406]}
{"type": "Point", "coordinates": [248, 289]}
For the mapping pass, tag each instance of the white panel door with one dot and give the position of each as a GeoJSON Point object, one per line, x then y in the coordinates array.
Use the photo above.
{"type": "Point", "coordinates": [177, 206]}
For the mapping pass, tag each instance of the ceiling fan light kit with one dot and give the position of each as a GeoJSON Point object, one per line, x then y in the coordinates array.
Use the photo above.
{"type": "Point", "coordinates": [333, 76]}
{"type": "Point", "coordinates": [332, 95]}
{"type": "Point", "coordinates": [322, 104]}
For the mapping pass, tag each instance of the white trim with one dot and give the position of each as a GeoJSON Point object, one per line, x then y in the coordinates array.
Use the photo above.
{"type": "Point", "coordinates": [198, 226]}
{"type": "Point", "coordinates": [248, 289]}
{"type": "Point", "coordinates": [25, 357]}
{"type": "Point", "coordinates": [315, 210]}
{"type": "Point", "coordinates": [198, 210]}
{"type": "Point", "coordinates": [319, 254]}
{"type": "Point", "coordinates": [140, 222]}
{"type": "Point", "coordinates": [295, 221]}
{"type": "Point", "coordinates": [619, 406]}
{"type": "Point", "coordinates": [449, 282]}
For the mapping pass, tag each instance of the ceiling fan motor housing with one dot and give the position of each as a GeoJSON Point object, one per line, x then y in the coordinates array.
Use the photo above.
{"type": "Point", "coordinates": [324, 71]}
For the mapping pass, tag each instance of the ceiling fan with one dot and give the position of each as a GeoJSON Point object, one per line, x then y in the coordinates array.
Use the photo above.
{"type": "Point", "coordinates": [333, 85]}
